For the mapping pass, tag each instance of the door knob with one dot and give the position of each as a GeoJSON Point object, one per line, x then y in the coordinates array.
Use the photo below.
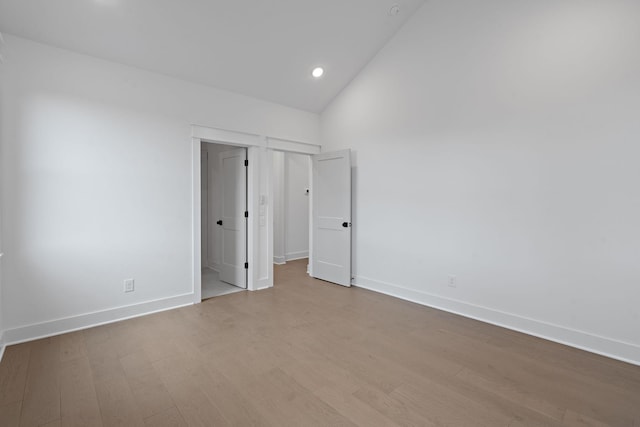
{"type": "Point", "coordinates": [219, 222]}
{"type": "Point", "coordinates": [346, 224]}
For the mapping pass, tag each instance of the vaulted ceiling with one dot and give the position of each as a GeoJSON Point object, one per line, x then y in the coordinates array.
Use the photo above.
{"type": "Point", "coordinates": [261, 48]}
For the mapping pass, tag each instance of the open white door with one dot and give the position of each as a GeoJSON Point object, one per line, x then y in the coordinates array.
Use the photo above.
{"type": "Point", "coordinates": [233, 177]}
{"type": "Point", "coordinates": [331, 212]}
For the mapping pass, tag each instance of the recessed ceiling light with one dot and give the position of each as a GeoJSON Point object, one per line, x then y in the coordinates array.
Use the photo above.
{"type": "Point", "coordinates": [317, 72]}
{"type": "Point", "coordinates": [395, 10]}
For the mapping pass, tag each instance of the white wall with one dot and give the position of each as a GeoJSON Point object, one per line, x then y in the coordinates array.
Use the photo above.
{"type": "Point", "coordinates": [2, 54]}
{"type": "Point", "coordinates": [279, 212]}
{"type": "Point", "coordinates": [296, 173]}
{"type": "Point", "coordinates": [204, 205]}
{"type": "Point", "coordinates": [1, 202]}
{"type": "Point", "coordinates": [497, 141]}
{"type": "Point", "coordinates": [291, 206]}
{"type": "Point", "coordinates": [96, 183]}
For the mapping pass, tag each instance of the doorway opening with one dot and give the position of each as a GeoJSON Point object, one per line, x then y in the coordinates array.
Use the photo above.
{"type": "Point", "coordinates": [223, 187]}
{"type": "Point", "coordinates": [291, 209]}
{"type": "Point", "coordinates": [313, 224]}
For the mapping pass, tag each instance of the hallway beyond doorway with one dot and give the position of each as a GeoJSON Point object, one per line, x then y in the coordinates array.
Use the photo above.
{"type": "Point", "coordinates": [212, 286]}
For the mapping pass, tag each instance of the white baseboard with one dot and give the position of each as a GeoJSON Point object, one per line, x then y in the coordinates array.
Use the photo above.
{"type": "Point", "coordinates": [292, 256]}
{"type": "Point", "coordinates": [2, 345]}
{"type": "Point", "coordinates": [215, 266]}
{"type": "Point", "coordinates": [89, 320]}
{"type": "Point", "coordinates": [626, 352]}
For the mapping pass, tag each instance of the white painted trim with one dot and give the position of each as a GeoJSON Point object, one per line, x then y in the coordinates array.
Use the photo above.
{"type": "Point", "coordinates": [196, 228]}
{"type": "Point", "coordinates": [292, 256]}
{"type": "Point", "coordinates": [196, 224]}
{"type": "Point", "coordinates": [215, 266]}
{"type": "Point", "coordinates": [309, 265]}
{"type": "Point", "coordinates": [259, 183]}
{"type": "Point", "coordinates": [2, 345]}
{"type": "Point", "coordinates": [292, 146]}
{"type": "Point", "coordinates": [619, 350]}
{"type": "Point", "coordinates": [278, 176]}
{"type": "Point", "coordinates": [264, 187]}
{"type": "Point", "coordinates": [88, 320]}
{"type": "Point", "coordinates": [253, 224]}
{"type": "Point", "coordinates": [268, 161]}
{"type": "Point", "coordinates": [227, 137]}
{"type": "Point", "coordinates": [246, 139]}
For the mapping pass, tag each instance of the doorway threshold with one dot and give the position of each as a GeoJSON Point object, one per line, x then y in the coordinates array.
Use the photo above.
{"type": "Point", "coordinates": [212, 286]}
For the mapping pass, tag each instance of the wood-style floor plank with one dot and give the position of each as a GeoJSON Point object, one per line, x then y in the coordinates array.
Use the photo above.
{"type": "Point", "coordinates": [13, 373]}
{"type": "Point", "coordinates": [10, 414]}
{"type": "Point", "coordinates": [310, 353]}
{"type": "Point", "coordinates": [150, 394]}
{"type": "Point", "coordinates": [41, 401]}
{"type": "Point", "coordinates": [168, 418]}
{"type": "Point", "coordinates": [78, 400]}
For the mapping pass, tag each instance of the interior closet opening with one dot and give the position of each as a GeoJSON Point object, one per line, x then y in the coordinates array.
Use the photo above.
{"type": "Point", "coordinates": [223, 219]}
{"type": "Point", "coordinates": [291, 208]}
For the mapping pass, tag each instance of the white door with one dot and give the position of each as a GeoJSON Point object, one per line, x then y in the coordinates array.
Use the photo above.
{"type": "Point", "coordinates": [331, 213]}
{"type": "Point", "coordinates": [233, 177]}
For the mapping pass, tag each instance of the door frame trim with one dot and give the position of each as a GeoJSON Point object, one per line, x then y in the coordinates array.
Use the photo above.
{"type": "Point", "coordinates": [259, 193]}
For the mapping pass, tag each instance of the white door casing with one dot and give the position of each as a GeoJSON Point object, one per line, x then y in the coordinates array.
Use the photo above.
{"type": "Point", "coordinates": [233, 177]}
{"type": "Point", "coordinates": [259, 196]}
{"type": "Point", "coordinates": [331, 213]}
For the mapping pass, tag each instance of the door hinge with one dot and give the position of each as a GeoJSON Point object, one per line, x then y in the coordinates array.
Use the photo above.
{"type": "Point", "coordinates": [246, 162]}
{"type": "Point", "coordinates": [246, 265]}
{"type": "Point", "coordinates": [246, 214]}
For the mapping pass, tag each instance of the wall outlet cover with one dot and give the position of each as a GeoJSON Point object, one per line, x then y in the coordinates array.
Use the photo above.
{"type": "Point", "coordinates": [452, 281]}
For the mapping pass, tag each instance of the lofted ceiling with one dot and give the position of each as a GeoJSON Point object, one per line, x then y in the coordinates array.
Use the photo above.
{"type": "Point", "coordinates": [261, 48]}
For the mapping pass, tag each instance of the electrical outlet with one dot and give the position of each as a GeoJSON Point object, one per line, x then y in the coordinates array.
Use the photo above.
{"type": "Point", "coordinates": [129, 285]}
{"type": "Point", "coordinates": [453, 281]}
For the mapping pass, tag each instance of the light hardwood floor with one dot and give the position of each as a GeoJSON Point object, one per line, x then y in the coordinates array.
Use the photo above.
{"type": "Point", "coordinates": [309, 353]}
